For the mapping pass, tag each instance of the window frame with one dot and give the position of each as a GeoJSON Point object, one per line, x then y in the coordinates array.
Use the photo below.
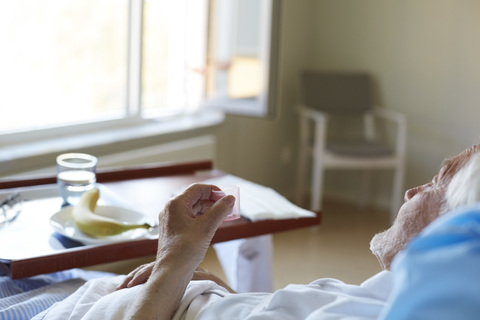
{"type": "Point", "coordinates": [262, 107]}
{"type": "Point", "coordinates": [265, 105]}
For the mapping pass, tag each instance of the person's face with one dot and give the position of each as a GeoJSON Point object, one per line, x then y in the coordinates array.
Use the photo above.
{"type": "Point", "coordinates": [422, 205]}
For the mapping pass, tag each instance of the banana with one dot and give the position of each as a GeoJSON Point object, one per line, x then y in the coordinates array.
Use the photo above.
{"type": "Point", "coordinates": [95, 225]}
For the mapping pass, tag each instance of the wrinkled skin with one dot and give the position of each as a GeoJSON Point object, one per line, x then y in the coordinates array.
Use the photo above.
{"type": "Point", "coordinates": [422, 205]}
{"type": "Point", "coordinates": [186, 227]}
{"type": "Point", "coordinates": [142, 273]}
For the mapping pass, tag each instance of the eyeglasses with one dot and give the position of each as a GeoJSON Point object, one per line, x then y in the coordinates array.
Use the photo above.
{"type": "Point", "coordinates": [10, 208]}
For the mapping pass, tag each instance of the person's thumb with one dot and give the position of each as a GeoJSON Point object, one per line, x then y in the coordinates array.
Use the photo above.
{"type": "Point", "coordinates": [222, 208]}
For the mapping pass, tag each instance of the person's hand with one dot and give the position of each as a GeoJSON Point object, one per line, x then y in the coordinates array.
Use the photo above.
{"type": "Point", "coordinates": [190, 204]}
{"type": "Point", "coordinates": [138, 276]}
{"type": "Point", "coordinates": [202, 274]}
{"type": "Point", "coordinates": [141, 274]}
{"type": "Point", "coordinates": [188, 223]}
{"type": "Point", "coordinates": [186, 228]}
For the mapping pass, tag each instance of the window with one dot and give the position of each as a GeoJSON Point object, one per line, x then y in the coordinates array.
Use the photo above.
{"type": "Point", "coordinates": [62, 62]}
{"type": "Point", "coordinates": [86, 61]}
{"type": "Point", "coordinates": [242, 56]}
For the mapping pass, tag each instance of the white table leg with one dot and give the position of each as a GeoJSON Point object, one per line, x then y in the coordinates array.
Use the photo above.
{"type": "Point", "coordinates": [247, 263]}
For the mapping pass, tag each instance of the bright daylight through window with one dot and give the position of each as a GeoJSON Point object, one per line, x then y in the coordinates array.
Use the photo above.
{"type": "Point", "coordinates": [83, 61]}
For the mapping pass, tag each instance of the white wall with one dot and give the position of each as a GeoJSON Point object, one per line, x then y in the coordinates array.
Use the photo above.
{"type": "Point", "coordinates": [425, 57]}
{"type": "Point", "coordinates": [264, 150]}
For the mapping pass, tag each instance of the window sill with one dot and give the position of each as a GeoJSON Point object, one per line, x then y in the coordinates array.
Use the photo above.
{"type": "Point", "coordinates": [114, 134]}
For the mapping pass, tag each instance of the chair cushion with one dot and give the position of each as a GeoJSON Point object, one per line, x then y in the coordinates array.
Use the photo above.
{"type": "Point", "coordinates": [359, 148]}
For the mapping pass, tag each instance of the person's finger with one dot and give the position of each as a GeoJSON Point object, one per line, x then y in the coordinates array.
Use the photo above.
{"type": "Point", "coordinates": [128, 278]}
{"type": "Point", "coordinates": [199, 274]}
{"type": "Point", "coordinates": [220, 210]}
{"type": "Point", "coordinates": [218, 195]}
{"type": "Point", "coordinates": [190, 197]}
{"type": "Point", "coordinates": [123, 285]}
{"type": "Point", "coordinates": [196, 192]}
{"type": "Point", "coordinates": [198, 197]}
{"type": "Point", "coordinates": [202, 206]}
{"type": "Point", "coordinates": [140, 277]}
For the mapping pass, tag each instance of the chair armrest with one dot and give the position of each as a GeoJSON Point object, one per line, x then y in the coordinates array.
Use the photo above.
{"type": "Point", "coordinates": [317, 116]}
{"type": "Point", "coordinates": [390, 115]}
{"type": "Point", "coordinates": [401, 122]}
{"type": "Point", "coordinates": [319, 119]}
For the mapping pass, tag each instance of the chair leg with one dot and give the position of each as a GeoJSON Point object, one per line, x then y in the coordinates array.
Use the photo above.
{"type": "Point", "coordinates": [317, 184]}
{"type": "Point", "coordinates": [300, 183]}
{"type": "Point", "coordinates": [397, 193]}
{"type": "Point", "coordinates": [317, 166]}
{"type": "Point", "coordinates": [365, 184]}
{"type": "Point", "coordinates": [302, 161]}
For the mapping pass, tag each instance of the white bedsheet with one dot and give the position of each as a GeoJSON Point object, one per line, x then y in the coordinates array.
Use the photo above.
{"type": "Point", "coordinates": [28, 298]}
{"type": "Point", "coordinates": [322, 299]}
{"type": "Point", "coordinates": [204, 300]}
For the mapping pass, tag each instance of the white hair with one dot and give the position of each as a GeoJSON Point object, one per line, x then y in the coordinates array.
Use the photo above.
{"type": "Point", "coordinates": [464, 188]}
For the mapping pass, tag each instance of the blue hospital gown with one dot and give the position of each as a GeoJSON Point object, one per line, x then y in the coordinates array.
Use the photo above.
{"type": "Point", "coordinates": [438, 275]}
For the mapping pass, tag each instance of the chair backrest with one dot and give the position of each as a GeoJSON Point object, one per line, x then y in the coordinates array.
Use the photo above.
{"type": "Point", "coordinates": [337, 92]}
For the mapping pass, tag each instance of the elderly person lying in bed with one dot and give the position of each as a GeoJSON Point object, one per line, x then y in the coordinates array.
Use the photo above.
{"type": "Point", "coordinates": [164, 290]}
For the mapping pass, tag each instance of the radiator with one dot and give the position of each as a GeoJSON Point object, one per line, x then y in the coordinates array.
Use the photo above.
{"type": "Point", "coordinates": [192, 149]}
{"type": "Point", "coordinates": [200, 148]}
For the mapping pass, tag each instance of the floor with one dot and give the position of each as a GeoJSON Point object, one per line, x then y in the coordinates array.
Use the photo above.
{"type": "Point", "coordinates": [339, 248]}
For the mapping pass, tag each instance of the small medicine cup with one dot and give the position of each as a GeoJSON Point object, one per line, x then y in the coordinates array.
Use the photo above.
{"type": "Point", "coordinates": [234, 191]}
{"type": "Point", "coordinates": [75, 175]}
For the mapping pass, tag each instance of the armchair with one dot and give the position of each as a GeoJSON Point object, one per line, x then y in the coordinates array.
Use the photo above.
{"type": "Point", "coordinates": [346, 97]}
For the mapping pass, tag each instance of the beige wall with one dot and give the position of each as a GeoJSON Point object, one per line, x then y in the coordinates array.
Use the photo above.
{"type": "Point", "coordinates": [264, 150]}
{"type": "Point", "coordinates": [424, 56]}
